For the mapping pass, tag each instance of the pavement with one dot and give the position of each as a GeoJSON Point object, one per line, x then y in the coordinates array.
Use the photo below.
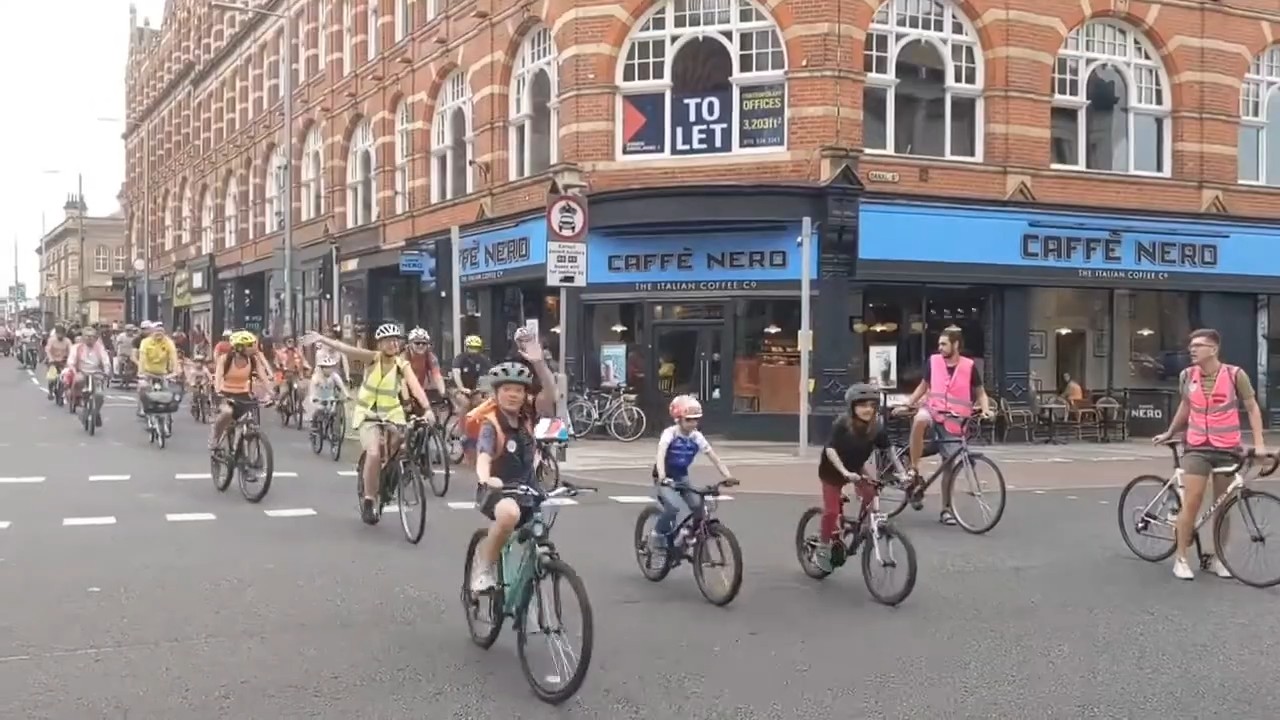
{"type": "Point", "coordinates": [132, 589]}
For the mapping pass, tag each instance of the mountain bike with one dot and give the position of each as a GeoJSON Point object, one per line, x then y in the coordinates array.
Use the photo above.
{"type": "Point", "coordinates": [201, 402]}
{"type": "Point", "coordinates": [1156, 518]}
{"type": "Point", "coordinates": [398, 480]}
{"type": "Point", "coordinates": [428, 449]}
{"type": "Point", "coordinates": [871, 526]}
{"type": "Point", "coordinates": [613, 409]}
{"type": "Point", "coordinates": [91, 402]}
{"type": "Point", "coordinates": [528, 564]}
{"type": "Point", "coordinates": [245, 452]}
{"type": "Point", "coordinates": [691, 540]}
{"type": "Point", "coordinates": [329, 423]}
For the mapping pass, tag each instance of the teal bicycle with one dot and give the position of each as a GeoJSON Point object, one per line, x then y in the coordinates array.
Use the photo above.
{"type": "Point", "coordinates": [531, 581]}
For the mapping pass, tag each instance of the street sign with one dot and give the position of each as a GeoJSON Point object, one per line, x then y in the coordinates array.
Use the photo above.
{"type": "Point", "coordinates": [566, 264]}
{"type": "Point", "coordinates": [567, 218]}
{"type": "Point", "coordinates": [411, 263]}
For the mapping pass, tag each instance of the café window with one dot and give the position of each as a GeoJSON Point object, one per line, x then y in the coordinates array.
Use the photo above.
{"type": "Point", "coordinates": [766, 369]}
{"type": "Point", "coordinates": [615, 341]}
{"type": "Point", "coordinates": [900, 328]}
{"type": "Point", "coordinates": [1151, 329]}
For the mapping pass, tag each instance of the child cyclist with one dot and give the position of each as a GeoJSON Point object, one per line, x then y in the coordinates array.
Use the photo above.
{"type": "Point", "coordinates": [847, 458]}
{"type": "Point", "coordinates": [677, 448]}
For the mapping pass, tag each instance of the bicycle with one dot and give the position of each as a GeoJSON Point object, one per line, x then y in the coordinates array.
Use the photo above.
{"type": "Point", "coordinates": [548, 466]}
{"type": "Point", "coordinates": [892, 470]}
{"type": "Point", "coordinates": [289, 405]}
{"type": "Point", "coordinates": [201, 402]}
{"type": "Point", "coordinates": [1163, 509]}
{"type": "Point", "coordinates": [690, 541]}
{"type": "Point", "coordinates": [91, 403]}
{"type": "Point", "coordinates": [159, 404]}
{"type": "Point", "coordinates": [397, 476]}
{"type": "Point", "coordinates": [614, 410]}
{"type": "Point", "coordinates": [871, 523]}
{"type": "Point", "coordinates": [54, 382]}
{"type": "Point", "coordinates": [329, 423]}
{"type": "Point", "coordinates": [245, 451]}
{"type": "Point", "coordinates": [427, 447]}
{"type": "Point", "coordinates": [529, 559]}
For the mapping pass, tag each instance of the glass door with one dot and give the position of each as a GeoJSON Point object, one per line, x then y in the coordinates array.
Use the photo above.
{"type": "Point", "coordinates": [688, 359]}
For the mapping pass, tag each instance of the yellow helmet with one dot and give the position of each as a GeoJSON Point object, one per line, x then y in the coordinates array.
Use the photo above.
{"type": "Point", "coordinates": [242, 338]}
{"type": "Point", "coordinates": [473, 342]}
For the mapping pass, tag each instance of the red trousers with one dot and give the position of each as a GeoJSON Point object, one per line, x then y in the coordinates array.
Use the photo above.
{"type": "Point", "coordinates": [832, 506]}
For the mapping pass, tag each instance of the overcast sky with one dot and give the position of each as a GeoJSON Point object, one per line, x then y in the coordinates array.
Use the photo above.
{"type": "Point", "coordinates": [64, 67]}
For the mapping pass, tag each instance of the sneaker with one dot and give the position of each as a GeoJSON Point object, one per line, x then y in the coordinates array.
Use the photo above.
{"type": "Point", "coordinates": [947, 517]}
{"type": "Point", "coordinates": [1217, 568]}
{"type": "Point", "coordinates": [822, 557]}
{"type": "Point", "coordinates": [366, 511]}
{"type": "Point", "coordinates": [1182, 570]}
{"type": "Point", "coordinates": [482, 579]}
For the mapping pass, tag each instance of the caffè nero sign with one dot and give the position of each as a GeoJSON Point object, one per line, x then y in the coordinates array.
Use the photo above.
{"type": "Point", "coordinates": [689, 261]}
{"type": "Point", "coordinates": [1115, 256]}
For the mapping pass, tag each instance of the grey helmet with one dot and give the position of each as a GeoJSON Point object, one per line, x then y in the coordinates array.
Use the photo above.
{"type": "Point", "coordinates": [510, 372]}
{"type": "Point", "coordinates": [860, 392]}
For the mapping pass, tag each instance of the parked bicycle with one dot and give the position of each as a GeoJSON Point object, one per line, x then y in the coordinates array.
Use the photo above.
{"type": "Point", "coordinates": [329, 424]}
{"type": "Point", "coordinates": [612, 409]}
{"type": "Point", "coordinates": [692, 540]}
{"type": "Point", "coordinates": [244, 452]}
{"type": "Point", "coordinates": [398, 481]}
{"type": "Point", "coordinates": [529, 563]}
{"type": "Point", "coordinates": [1244, 506]}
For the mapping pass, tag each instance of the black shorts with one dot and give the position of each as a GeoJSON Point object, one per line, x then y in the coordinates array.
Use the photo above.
{"type": "Point", "coordinates": [241, 404]}
{"type": "Point", "coordinates": [487, 500]}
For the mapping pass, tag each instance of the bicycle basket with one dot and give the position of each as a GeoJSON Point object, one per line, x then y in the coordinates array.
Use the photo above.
{"type": "Point", "coordinates": [629, 398]}
{"type": "Point", "coordinates": [160, 401]}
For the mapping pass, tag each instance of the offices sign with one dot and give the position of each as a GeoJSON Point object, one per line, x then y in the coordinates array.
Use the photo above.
{"type": "Point", "coordinates": [704, 123]}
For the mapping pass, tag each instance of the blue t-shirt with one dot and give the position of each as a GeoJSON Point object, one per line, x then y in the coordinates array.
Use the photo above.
{"type": "Point", "coordinates": [681, 451]}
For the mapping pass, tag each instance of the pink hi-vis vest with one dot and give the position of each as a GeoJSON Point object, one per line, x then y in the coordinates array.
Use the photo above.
{"type": "Point", "coordinates": [951, 393]}
{"type": "Point", "coordinates": [1214, 420]}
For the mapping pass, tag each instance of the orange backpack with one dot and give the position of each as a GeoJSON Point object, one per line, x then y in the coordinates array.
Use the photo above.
{"type": "Point", "coordinates": [473, 421]}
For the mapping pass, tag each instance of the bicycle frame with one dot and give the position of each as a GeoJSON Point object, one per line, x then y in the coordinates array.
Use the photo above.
{"type": "Point", "coordinates": [1175, 480]}
{"type": "Point", "coordinates": [868, 525]}
{"type": "Point", "coordinates": [524, 550]}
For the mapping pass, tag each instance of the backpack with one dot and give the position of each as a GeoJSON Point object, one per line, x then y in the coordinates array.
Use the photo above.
{"type": "Point", "coordinates": [474, 421]}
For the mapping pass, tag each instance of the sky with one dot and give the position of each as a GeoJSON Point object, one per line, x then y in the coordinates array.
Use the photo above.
{"type": "Point", "coordinates": [63, 85]}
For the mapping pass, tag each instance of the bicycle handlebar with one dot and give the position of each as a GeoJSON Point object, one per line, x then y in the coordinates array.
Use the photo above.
{"type": "Point", "coordinates": [566, 489]}
{"type": "Point", "coordinates": [713, 489]}
{"type": "Point", "coordinates": [1245, 458]}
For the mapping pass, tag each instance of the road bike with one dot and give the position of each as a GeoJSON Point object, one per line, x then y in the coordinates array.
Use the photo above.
{"type": "Point", "coordinates": [691, 540]}
{"type": "Point", "coordinates": [159, 403]}
{"type": "Point", "coordinates": [428, 448]}
{"type": "Point", "coordinates": [90, 402]}
{"type": "Point", "coordinates": [528, 564]}
{"type": "Point", "coordinates": [613, 409]}
{"type": "Point", "coordinates": [245, 452]}
{"type": "Point", "coordinates": [960, 481]}
{"type": "Point", "coordinates": [329, 423]}
{"type": "Point", "coordinates": [289, 405]}
{"type": "Point", "coordinates": [398, 480]}
{"type": "Point", "coordinates": [872, 526]}
{"type": "Point", "coordinates": [1156, 518]}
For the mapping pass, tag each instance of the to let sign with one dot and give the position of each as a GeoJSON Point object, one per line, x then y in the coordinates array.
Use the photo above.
{"type": "Point", "coordinates": [702, 123]}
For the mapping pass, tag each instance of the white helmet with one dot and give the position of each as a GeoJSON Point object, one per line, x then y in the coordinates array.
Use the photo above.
{"type": "Point", "coordinates": [419, 335]}
{"type": "Point", "coordinates": [388, 330]}
{"type": "Point", "coordinates": [145, 325]}
{"type": "Point", "coordinates": [327, 360]}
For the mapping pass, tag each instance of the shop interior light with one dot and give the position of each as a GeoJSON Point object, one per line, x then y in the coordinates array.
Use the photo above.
{"type": "Point", "coordinates": [772, 329]}
{"type": "Point", "coordinates": [1063, 331]}
{"type": "Point", "coordinates": [884, 327]}
{"type": "Point", "coordinates": [555, 330]}
{"type": "Point", "coordinates": [951, 328]}
{"type": "Point", "coordinates": [618, 328]}
{"type": "Point", "coordinates": [1146, 332]}
{"type": "Point", "coordinates": [859, 327]}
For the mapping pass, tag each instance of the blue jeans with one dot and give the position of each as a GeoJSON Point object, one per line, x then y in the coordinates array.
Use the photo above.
{"type": "Point", "coordinates": [673, 500]}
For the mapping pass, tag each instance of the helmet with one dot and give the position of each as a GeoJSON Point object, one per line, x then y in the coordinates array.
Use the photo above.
{"type": "Point", "coordinates": [510, 372]}
{"type": "Point", "coordinates": [685, 407]}
{"type": "Point", "coordinates": [130, 327]}
{"type": "Point", "coordinates": [226, 334]}
{"type": "Point", "coordinates": [473, 342]}
{"type": "Point", "coordinates": [145, 325]}
{"type": "Point", "coordinates": [243, 338]}
{"type": "Point", "coordinates": [157, 325]}
{"type": "Point", "coordinates": [861, 392]}
{"type": "Point", "coordinates": [388, 330]}
{"type": "Point", "coordinates": [418, 335]}
{"type": "Point", "coordinates": [327, 360]}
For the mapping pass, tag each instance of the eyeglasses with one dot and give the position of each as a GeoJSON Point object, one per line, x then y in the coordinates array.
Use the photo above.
{"type": "Point", "coordinates": [420, 344]}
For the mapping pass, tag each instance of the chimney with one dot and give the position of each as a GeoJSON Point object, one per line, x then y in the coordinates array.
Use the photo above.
{"type": "Point", "coordinates": [75, 206]}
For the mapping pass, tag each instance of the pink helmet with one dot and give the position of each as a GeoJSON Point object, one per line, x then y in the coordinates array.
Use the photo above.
{"type": "Point", "coordinates": [685, 406]}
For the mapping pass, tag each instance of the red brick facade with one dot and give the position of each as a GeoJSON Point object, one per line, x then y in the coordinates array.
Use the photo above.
{"type": "Point", "coordinates": [179, 78]}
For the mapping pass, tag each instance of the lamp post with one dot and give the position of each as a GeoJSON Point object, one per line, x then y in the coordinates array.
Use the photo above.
{"type": "Point", "coordinates": [286, 192]}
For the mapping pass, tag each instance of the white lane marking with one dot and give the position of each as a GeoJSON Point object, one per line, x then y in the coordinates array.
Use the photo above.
{"type": "Point", "coordinates": [4, 524]}
{"type": "Point", "coordinates": [462, 506]}
{"type": "Point", "coordinates": [1039, 492]}
{"type": "Point", "coordinates": [189, 517]}
{"type": "Point", "coordinates": [1072, 497]}
{"type": "Point", "coordinates": [347, 473]}
{"type": "Point", "coordinates": [290, 512]}
{"type": "Point", "coordinates": [35, 382]}
{"type": "Point", "coordinates": [107, 478]}
{"type": "Point", "coordinates": [724, 497]}
{"type": "Point", "coordinates": [21, 480]}
{"type": "Point", "coordinates": [280, 474]}
{"type": "Point", "coordinates": [560, 501]}
{"type": "Point", "coordinates": [632, 499]}
{"type": "Point", "coordinates": [192, 476]}
{"type": "Point", "coordinates": [1011, 487]}
{"type": "Point", "coordinates": [391, 509]}
{"type": "Point", "coordinates": [80, 521]}
{"type": "Point", "coordinates": [1103, 502]}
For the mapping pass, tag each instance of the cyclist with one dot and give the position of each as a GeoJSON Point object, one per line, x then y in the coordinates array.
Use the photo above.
{"type": "Point", "coordinates": [88, 357]}
{"type": "Point", "coordinates": [378, 400]}
{"type": "Point", "coordinates": [1212, 392]}
{"type": "Point", "coordinates": [425, 364]}
{"type": "Point", "coordinates": [847, 458]}
{"type": "Point", "coordinates": [678, 446]}
{"type": "Point", "coordinates": [233, 377]}
{"type": "Point", "coordinates": [290, 363]}
{"type": "Point", "coordinates": [157, 359]}
{"type": "Point", "coordinates": [329, 379]}
{"type": "Point", "coordinates": [468, 366]}
{"type": "Point", "coordinates": [56, 351]}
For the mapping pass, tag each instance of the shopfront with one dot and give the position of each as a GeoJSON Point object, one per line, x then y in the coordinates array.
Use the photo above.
{"type": "Point", "coordinates": [502, 273]}
{"type": "Point", "coordinates": [1046, 297]}
{"type": "Point", "coordinates": [199, 286]}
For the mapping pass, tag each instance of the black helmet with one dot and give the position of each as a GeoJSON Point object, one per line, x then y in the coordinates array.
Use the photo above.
{"type": "Point", "coordinates": [860, 392]}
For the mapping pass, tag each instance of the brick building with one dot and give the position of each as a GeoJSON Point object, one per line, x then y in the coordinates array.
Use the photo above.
{"type": "Point", "coordinates": [90, 291]}
{"type": "Point", "coordinates": [1073, 171]}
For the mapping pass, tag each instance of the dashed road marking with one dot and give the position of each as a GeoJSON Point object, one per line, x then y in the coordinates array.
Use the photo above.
{"type": "Point", "coordinates": [189, 517]}
{"type": "Point", "coordinates": [27, 480]}
{"type": "Point", "coordinates": [82, 521]}
{"type": "Point", "coordinates": [4, 524]}
{"type": "Point", "coordinates": [280, 474]}
{"type": "Point", "coordinates": [462, 506]}
{"type": "Point", "coordinates": [290, 512]}
{"type": "Point", "coordinates": [107, 478]}
{"type": "Point", "coordinates": [1104, 502]}
{"type": "Point", "coordinates": [1039, 492]}
{"type": "Point", "coordinates": [1072, 497]}
{"type": "Point", "coordinates": [632, 499]}
{"type": "Point", "coordinates": [192, 476]}
{"type": "Point", "coordinates": [347, 473]}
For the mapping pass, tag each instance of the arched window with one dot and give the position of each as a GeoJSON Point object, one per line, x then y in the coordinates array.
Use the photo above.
{"type": "Point", "coordinates": [101, 259]}
{"type": "Point", "coordinates": [534, 122]}
{"type": "Point", "coordinates": [923, 93]}
{"type": "Point", "coordinates": [184, 220]}
{"type": "Point", "coordinates": [403, 140]}
{"type": "Point", "coordinates": [255, 199]}
{"type": "Point", "coordinates": [371, 31]}
{"type": "Point", "coordinates": [347, 12]}
{"type": "Point", "coordinates": [702, 78]}
{"type": "Point", "coordinates": [1259, 147]}
{"type": "Point", "coordinates": [1110, 107]}
{"type": "Point", "coordinates": [404, 18]}
{"type": "Point", "coordinates": [276, 193]}
{"type": "Point", "coordinates": [206, 222]}
{"type": "Point", "coordinates": [362, 207]}
{"type": "Point", "coordinates": [312, 175]}
{"type": "Point", "coordinates": [451, 140]}
{"type": "Point", "coordinates": [231, 214]}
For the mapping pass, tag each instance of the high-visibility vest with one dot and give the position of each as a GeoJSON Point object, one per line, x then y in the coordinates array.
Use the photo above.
{"type": "Point", "coordinates": [1214, 419]}
{"type": "Point", "coordinates": [379, 394]}
{"type": "Point", "coordinates": [950, 392]}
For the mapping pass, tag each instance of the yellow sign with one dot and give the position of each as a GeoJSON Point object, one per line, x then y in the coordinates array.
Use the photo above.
{"type": "Point", "coordinates": [181, 289]}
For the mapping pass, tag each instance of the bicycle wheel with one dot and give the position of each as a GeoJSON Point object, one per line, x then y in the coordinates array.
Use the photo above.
{"type": "Point", "coordinates": [549, 470]}
{"type": "Point", "coordinates": [570, 667]}
{"type": "Point", "coordinates": [891, 560]}
{"type": "Point", "coordinates": [337, 433]}
{"type": "Point", "coordinates": [583, 416]}
{"type": "Point", "coordinates": [484, 611]}
{"type": "Point", "coordinates": [222, 463]}
{"type": "Point", "coordinates": [654, 564]}
{"type": "Point", "coordinates": [255, 465]}
{"type": "Point", "coordinates": [1252, 505]}
{"type": "Point", "coordinates": [894, 497]}
{"type": "Point", "coordinates": [1147, 510]}
{"type": "Point", "coordinates": [283, 411]}
{"type": "Point", "coordinates": [986, 494]}
{"type": "Point", "coordinates": [453, 439]}
{"type": "Point", "coordinates": [162, 437]}
{"type": "Point", "coordinates": [437, 460]}
{"type": "Point", "coordinates": [299, 403]}
{"type": "Point", "coordinates": [319, 432]}
{"type": "Point", "coordinates": [627, 423]}
{"type": "Point", "coordinates": [807, 543]}
{"type": "Point", "coordinates": [411, 496]}
{"type": "Point", "coordinates": [722, 539]}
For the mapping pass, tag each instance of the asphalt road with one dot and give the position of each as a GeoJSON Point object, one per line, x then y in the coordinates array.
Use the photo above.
{"type": "Point", "coordinates": [188, 603]}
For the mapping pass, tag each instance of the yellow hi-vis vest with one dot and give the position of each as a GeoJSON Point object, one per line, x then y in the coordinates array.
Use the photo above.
{"type": "Point", "coordinates": [379, 395]}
